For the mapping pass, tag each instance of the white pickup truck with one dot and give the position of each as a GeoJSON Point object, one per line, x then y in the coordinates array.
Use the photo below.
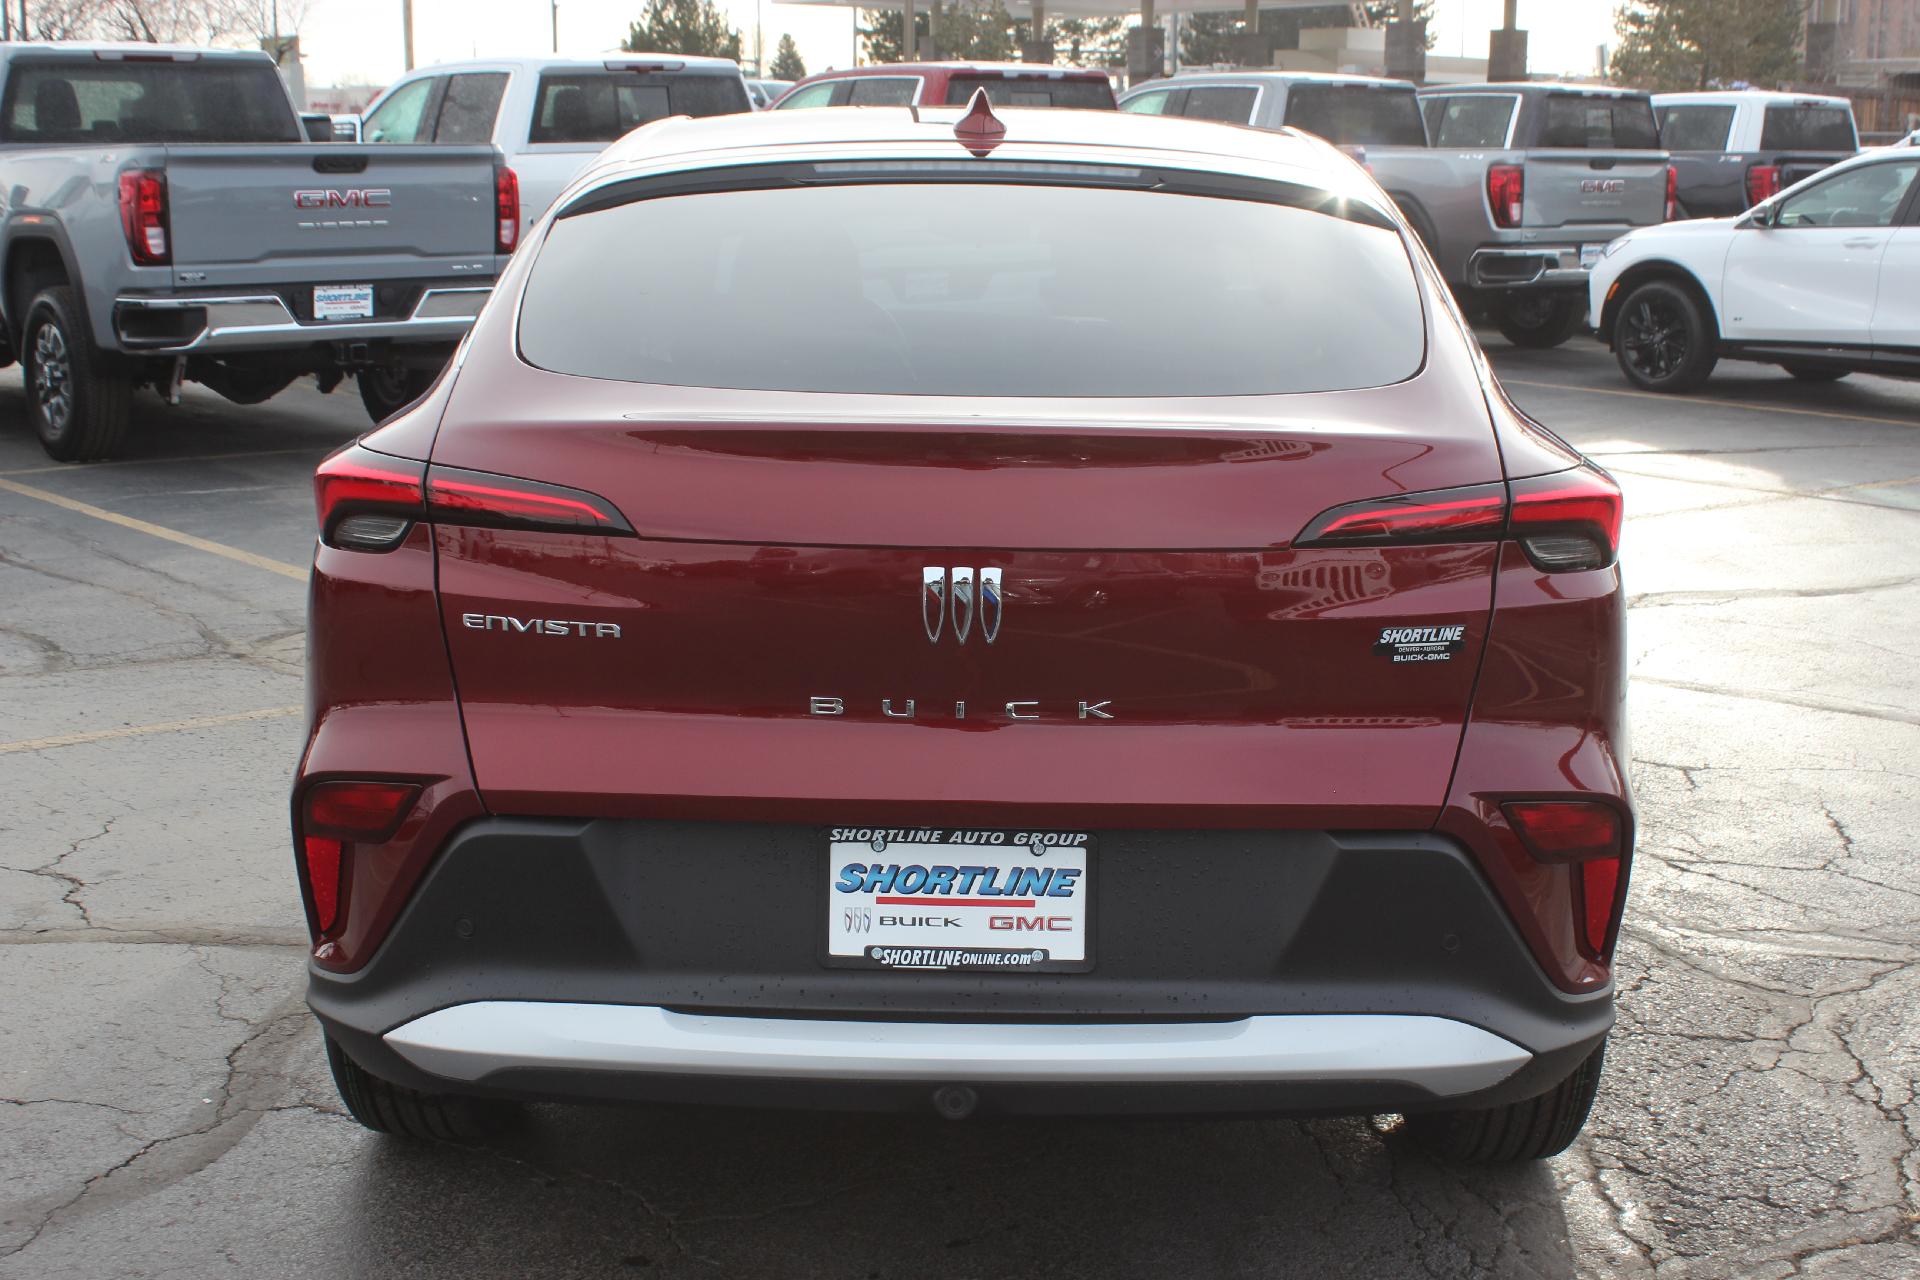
{"type": "Point", "coordinates": [1734, 148]}
{"type": "Point", "coordinates": [551, 116]}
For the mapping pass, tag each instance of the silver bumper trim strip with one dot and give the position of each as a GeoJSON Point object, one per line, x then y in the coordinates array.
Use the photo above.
{"type": "Point", "coordinates": [469, 1042]}
{"type": "Point", "coordinates": [245, 319]}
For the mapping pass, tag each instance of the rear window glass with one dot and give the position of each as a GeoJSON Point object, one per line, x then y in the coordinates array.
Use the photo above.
{"type": "Point", "coordinates": [1356, 115]}
{"type": "Point", "coordinates": [97, 101]}
{"type": "Point", "coordinates": [879, 91]}
{"type": "Point", "coordinates": [1594, 122]}
{"type": "Point", "coordinates": [1227, 105]}
{"type": "Point", "coordinates": [972, 289]}
{"type": "Point", "coordinates": [470, 104]}
{"type": "Point", "coordinates": [1695, 128]}
{"type": "Point", "coordinates": [1032, 92]}
{"type": "Point", "coordinates": [599, 107]}
{"type": "Point", "coordinates": [1807, 129]}
{"type": "Point", "coordinates": [1470, 120]}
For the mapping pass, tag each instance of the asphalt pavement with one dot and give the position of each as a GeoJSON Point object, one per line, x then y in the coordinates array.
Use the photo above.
{"type": "Point", "coordinates": [166, 1110]}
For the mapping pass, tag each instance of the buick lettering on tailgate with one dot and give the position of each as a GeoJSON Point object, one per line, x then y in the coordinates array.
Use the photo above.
{"type": "Point", "coordinates": [940, 898]}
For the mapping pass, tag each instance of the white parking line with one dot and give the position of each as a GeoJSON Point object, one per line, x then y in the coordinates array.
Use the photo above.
{"type": "Point", "coordinates": [149, 462]}
{"type": "Point", "coordinates": [280, 567]}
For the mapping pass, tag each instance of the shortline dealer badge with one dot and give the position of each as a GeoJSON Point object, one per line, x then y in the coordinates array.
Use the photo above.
{"type": "Point", "coordinates": [1421, 644]}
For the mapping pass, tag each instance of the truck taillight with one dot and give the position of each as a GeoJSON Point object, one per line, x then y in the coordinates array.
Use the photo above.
{"type": "Point", "coordinates": [1506, 194]}
{"type": "Point", "coordinates": [1763, 183]}
{"type": "Point", "coordinates": [1565, 521]}
{"type": "Point", "coordinates": [1673, 193]}
{"type": "Point", "coordinates": [143, 216]}
{"type": "Point", "coordinates": [506, 209]}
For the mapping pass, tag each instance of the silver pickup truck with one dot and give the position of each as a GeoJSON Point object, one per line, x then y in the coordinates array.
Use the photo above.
{"type": "Point", "coordinates": [1514, 187]}
{"type": "Point", "coordinates": [161, 220]}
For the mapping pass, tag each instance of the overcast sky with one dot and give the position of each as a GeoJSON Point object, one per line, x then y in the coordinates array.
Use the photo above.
{"type": "Point", "coordinates": [360, 40]}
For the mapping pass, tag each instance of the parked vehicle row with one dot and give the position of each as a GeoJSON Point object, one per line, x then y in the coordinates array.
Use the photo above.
{"type": "Point", "coordinates": [165, 221]}
{"type": "Point", "coordinates": [1007, 84]}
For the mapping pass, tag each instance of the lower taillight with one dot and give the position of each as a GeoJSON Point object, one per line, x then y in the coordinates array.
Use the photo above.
{"type": "Point", "coordinates": [1567, 520]}
{"type": "Point", "coordinates": [1507, 194]}
{"type": "Point", "coordinates": [506, 209]}
{"type": "Point", "coordinates": [1763, 183]}
{"type": "Point", "coordinates": [143, 216]}
{"type": "Point", "coordinates": [1564, 521]}
{"type": "Point", "coordinates": [334, 817]}
{"type": "Point", "coordinates": [1591, 836]}
{"type": "Point", "coordinates": [368, 501]}
{"type": "Point", "coordinates": [1673, 193]}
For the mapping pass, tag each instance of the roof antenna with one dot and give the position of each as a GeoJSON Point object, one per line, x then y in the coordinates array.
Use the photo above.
{"type": "Point", "coordinates": [980, 131]}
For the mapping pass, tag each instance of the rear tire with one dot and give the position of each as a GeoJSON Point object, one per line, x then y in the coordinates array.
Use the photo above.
{"type": "Point", "coordinates": [404, 1112]}
{"type": "Point", "coordinates": [1538, 321]}
{"type": "Point", "coordinates": [1808, 373]}
{"type": "Point", "coordinates": [386, 390]}
{"type": "Point", "coordinates": [1529, 1130]}
{"type": "Point", "coordinates": [1663, 338]}
{"type": "Point", "coordinates": [76, 397]}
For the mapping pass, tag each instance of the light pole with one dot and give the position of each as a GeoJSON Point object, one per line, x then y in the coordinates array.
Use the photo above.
{"type": "Point", "coordinates": [406, 19]}
{"type": "Point", "coordinates": [556, 25]}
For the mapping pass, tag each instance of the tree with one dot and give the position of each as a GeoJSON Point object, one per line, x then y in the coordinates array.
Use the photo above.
{"type": "Point", "coordinates": [1089, 42]}
{"type": "Point", "coordinates": [206, 22]}
{"type": "Point", "coordinates": [1701, 44]}
{"type": "Point", "coordinates": [973, 29]}
{"type": "Point", "coordinates": [683, 26]}
{"type": "Point", "coordinates": [787, 64]}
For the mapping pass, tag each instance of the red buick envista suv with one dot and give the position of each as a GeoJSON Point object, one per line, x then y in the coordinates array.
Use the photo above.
{"type": "Point", "coordinates": [1037, 613]}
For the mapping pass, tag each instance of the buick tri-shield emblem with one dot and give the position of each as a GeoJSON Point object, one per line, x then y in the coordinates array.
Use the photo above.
{"type": "Point", "coordinates": [949, 594]}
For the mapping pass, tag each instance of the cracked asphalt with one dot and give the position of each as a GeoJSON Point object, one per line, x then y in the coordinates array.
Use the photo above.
{"type": "Point", "coordinates": [166, 1110]}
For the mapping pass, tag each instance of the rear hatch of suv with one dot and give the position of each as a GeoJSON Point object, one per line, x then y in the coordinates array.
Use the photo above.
{"type": "Point", "coordinates": [859, 584]}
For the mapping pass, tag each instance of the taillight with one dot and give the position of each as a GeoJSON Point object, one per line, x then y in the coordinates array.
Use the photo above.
{"type": "Point", "coordinates": [1567, 520]}
{"type": "Point", "coordinates": [1564, 521]}
{"type": "Point", "coordinates": [143, 216]}
{"type": "Point", "coordinates": [367, 501]}
{"type": "Point", "coordinates": [506, 209]}
{"type": "Point", "coordinates": [1763, 183]}
{"type": "Point", "coordinates": [1590, 835]}
{"type": "Point", "coordinates": [1673, 193]}
{"type": "Point", "coordinates": [477, 497]}
{"type": "Point", "coordinates": [1474, 513]}
{"type": "Point", "coordinates": [334, 817]}
{"type": "Point", "coordinates": [1506, 194]}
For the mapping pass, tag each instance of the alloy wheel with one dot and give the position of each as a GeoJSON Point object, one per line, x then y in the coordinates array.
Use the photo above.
{"type": "Point", "coordinates": [53, 377]}
{"type": "Point", "coordinates": [1655, 340]}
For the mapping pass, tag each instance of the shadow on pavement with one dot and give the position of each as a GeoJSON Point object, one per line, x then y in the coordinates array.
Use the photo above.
{"type": "Point", "coordinates": [610, 1191]}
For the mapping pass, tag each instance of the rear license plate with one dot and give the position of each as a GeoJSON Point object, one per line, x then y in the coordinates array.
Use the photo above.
{"type": "Point", "coordinates": [1590, 256]}
{"type": "Point", "coordinates": [343, 302]}
{"type": "Point", "coordinates": [959, 899]}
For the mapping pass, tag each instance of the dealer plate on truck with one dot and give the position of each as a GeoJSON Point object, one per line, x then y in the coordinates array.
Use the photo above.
{"type": "Point", "coordinates": [975, 900]}
{"type": "Point", "coordinates": [343, 302]}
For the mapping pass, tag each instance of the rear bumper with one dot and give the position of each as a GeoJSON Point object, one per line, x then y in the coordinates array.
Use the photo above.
{"type": "Point", "coordinates": [184, 324]}
{"type": "Point", "coordinates": [1233, 971]}
{"type": "Point", "coordinates": [1534, 267]}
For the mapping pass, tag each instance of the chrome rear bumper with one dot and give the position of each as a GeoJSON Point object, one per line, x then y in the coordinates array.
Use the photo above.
{"type": "Point", "coordinates": [469, 1042]}
{"type": "Point", "coordinates": [252, 321]}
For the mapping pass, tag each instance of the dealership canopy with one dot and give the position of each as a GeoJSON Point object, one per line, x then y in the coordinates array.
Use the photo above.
{"type": "Point", "coordinates": [1097, 8]}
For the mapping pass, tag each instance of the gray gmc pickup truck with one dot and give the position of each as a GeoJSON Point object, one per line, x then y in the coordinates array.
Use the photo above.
{"type": "Point", "coordinates": [162, 220]}
{"type": "Point", "coordinates": [1514, 187]}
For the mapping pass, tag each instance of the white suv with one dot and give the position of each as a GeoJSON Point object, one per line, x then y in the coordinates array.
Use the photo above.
{"type": "Point", "coordinates": [1822, 279]}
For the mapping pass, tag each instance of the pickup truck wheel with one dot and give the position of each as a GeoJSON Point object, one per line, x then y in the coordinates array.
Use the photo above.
{"type": "Point", "coordinates": [386, 390]}
{"type": "Point", "coordinates": [1539, 321]}
{"type": "Point", "coordinates": [78, 401]}
{"type": "Point", "coordinates": [1807, 373]}
{"type": "Point", "coordinates": [1662, 338]}
{"type": "Point", "coordinates": [1532, 1129]}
